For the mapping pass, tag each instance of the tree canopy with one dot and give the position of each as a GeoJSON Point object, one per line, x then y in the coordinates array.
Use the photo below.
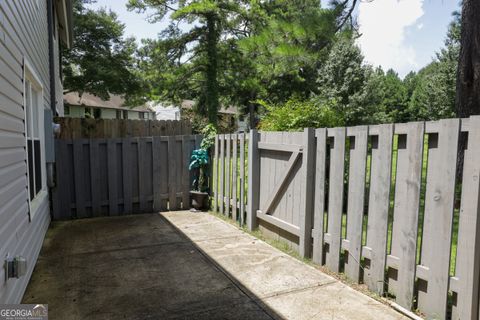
{"type": "Point", "coordinates": [288, 63]}
{"type": "Point", "coordinates": [101, 61]}
{"type": "Point", "coordinates": [236, 52]}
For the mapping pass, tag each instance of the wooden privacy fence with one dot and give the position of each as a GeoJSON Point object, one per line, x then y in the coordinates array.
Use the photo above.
{"type": "Point", "coordinates": [380, 203]}
{"type": "Point", "coordinates": [82, 128]}
{"type": "Point", "coordinates": [107, 177]}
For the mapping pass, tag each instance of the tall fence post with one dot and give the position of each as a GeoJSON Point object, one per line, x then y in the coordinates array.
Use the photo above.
{"type": "Point", "coordinates": [253, 180]}
{"type": "Point", "coordinates": [306, 210]}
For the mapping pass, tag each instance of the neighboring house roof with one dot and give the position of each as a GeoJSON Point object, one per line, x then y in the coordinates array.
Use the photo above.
{"type": "Point", "coordinates": [90, 100]}
{"type": "Point", "coordinates": [188, 104]}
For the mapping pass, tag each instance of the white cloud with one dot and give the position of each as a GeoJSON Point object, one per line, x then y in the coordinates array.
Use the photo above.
{"type": "Point", "coordinates": [383, 24]}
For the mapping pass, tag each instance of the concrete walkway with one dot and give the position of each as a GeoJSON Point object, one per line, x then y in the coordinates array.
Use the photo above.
{"type": "Point", "coordinates": [292, 289]}
{"type": "Point", "coordinates": [182, 265]}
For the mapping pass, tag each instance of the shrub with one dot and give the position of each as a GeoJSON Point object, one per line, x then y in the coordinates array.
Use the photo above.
{"type": "Point", "coordinates": [295, 115]}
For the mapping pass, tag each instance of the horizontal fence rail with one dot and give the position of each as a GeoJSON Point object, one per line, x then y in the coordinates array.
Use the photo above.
{"type": "Point", "coordinates": [83, 128]}
{"type": "Point", "coordinates": [108, 177]}
{"type": "Point", "coordinates": [393, 206]}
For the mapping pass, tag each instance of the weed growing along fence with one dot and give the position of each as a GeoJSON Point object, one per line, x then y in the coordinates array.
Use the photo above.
{"type": "Point", "coordinates": [380, 203]}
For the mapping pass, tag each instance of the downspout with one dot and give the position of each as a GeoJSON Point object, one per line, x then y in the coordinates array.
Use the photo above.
{"type": "Point", "coordinates": [51, 57]}
{"type": "Point", "coordinates": [53, 104]}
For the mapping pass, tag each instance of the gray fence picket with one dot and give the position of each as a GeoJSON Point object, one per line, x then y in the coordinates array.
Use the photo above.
{"type": "Point", "coordinates": [186, 143]}
{"type": "Point", "coordinates": [215, 174]}
{"type": "Point", "coordinates": [64, 186]}
{"type": "Point", "coordinates": [127, 175]}
{"type": "Point", "coordinates": [112, 177]}
{"type": "Point", "coordinates": [79, 178]}
{"type": "Point", "coordinates": [438, 218]}
{"type": "Point", "coordinates": [319, 200]}
{"type": "Point", "coordinates": [221, 193]}
{"type": "Point", "coordinates": [375, 249]}
{"type": "Point", "coordinates": [198, 141]}
{"type": "Point", "coordinates": [402, 260]}
{"type": "Point", "coordinates": [234, 177]}
{"type": "Point", "coordinates": [335, 199]}
{"type": "Point", "coordinates": [228, 174]}
{"type": "Point", "coordinates": [172, 171]}
{"type": "Point", "coordinates": [253, 180]}
{"type": "Point", "coordinates": [142, 174]}
{"type": "Point", "coordinates": [164, 173]}
{"type": "Point", "coordinates": [242, 179]}
{"type": "Point", "coordinates": [467, 271]}
{"type": "Point", "coordinates": [157, 173]}
{"type": "Point", "coordinates": [95, 178]}
{"type": "Point", "coordinates": [356, 200]}
{"type": "Point", "coordinates": [57, 200]}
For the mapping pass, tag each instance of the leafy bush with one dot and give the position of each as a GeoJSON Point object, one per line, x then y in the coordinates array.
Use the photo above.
{"type": "Point", "coordinates": [209, 132]}
{"type": "Point", "coordinates": [295, 115]}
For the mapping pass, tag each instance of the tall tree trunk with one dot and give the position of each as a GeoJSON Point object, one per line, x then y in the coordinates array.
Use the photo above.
{"type": "Point", "coordinates": [468, 77]}
{"type": "Point", "coordinates": [211, 94]}
{"type": "Point", "coordinates": [467, 101]}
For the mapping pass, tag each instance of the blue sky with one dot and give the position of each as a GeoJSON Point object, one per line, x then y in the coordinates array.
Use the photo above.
{"type": "Point", "coordinates": [399, 34]}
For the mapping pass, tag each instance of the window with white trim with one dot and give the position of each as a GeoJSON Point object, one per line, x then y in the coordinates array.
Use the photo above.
{"type": "Point", "coordinates": [34, 134]}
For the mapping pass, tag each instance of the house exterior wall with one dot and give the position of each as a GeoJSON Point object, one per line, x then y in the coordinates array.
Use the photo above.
{"type": "Point", "coordinates": [23, 41]}
{"type": "Point", "coordinates": [109, 114]}
{"type": "Point", "coordinates": [167, 113]}
{"type": "Point", "coordinates": [133, 115]}
{"type": "Point", "coordinates": [76, 112]}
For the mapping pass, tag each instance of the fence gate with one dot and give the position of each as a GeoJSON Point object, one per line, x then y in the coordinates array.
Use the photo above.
{"type": "Point", "coordinates": [107, 177]}
{"type": "Point", "coordinates": [281, 184]}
